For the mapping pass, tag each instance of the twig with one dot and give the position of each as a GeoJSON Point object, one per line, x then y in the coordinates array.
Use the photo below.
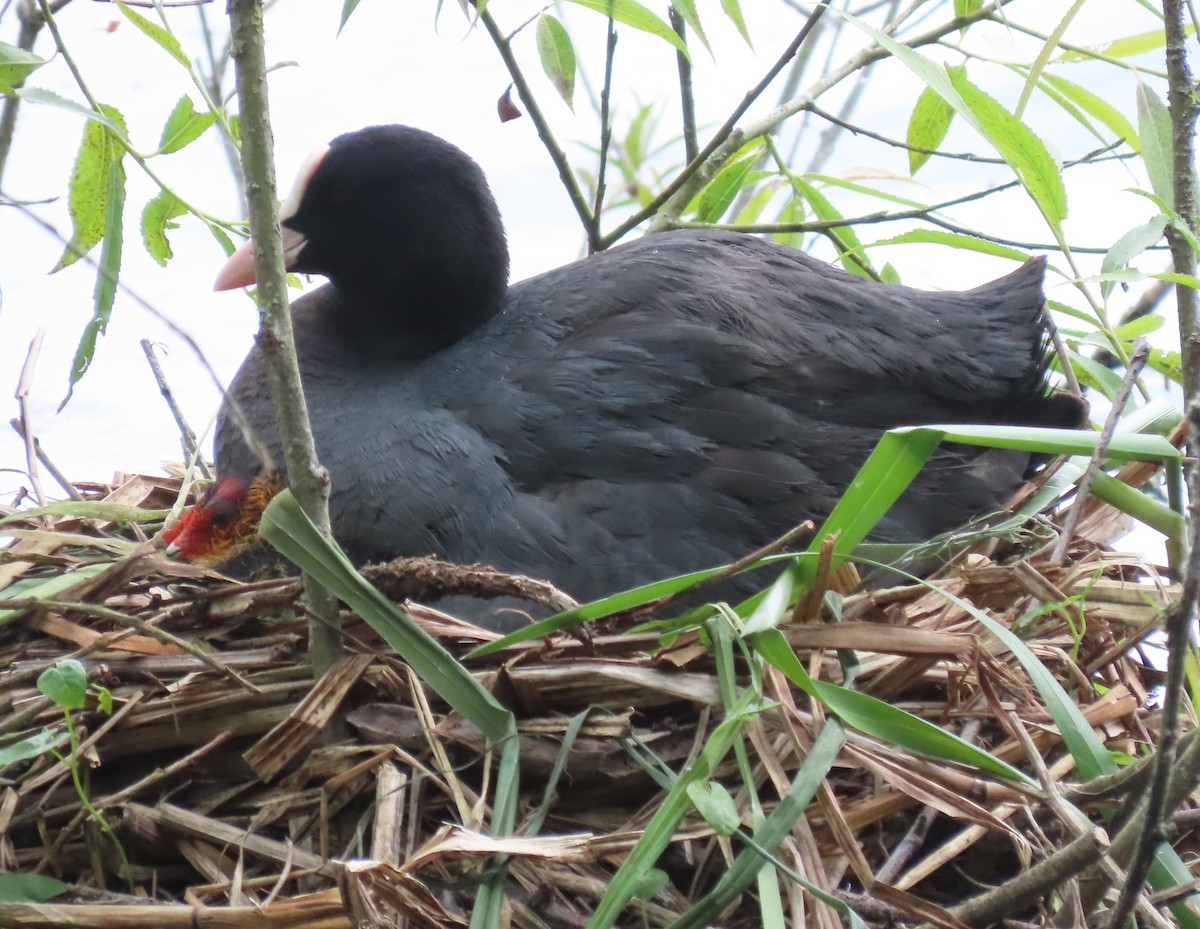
{"type": "Point", "coordinates": [58, 476]}
{"type": "Point", "coordinates": [1141, 351]}
{"type": "Point", "coordinates": [593, 230]}
{"type": "Point", "coordinates": [1074, 821]}
{"type": "Point", "coordinates": [828, 139]}
{"type": "Point", "coordinates": [565, 174]}
{"type": "Point", "coordinates": [26, 427]}
{"type": "Point", "coordinates": [896, 143]}
{"type": "Point", "coordinates": [1060, 350]}
{"type": "Point", "coordinates": [307, 479]}
{"type": "Point", "coordinates": [687, 99]}
{"type": "Point", "coordinates": [725, 138]}
{"type": "Point", "coordinates": [129, 622]}
{"type": "Point", "coordinates": [187, 437]}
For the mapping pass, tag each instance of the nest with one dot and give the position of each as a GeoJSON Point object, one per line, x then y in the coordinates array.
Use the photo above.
{"type": "Point", "coordinates": [226, 788]}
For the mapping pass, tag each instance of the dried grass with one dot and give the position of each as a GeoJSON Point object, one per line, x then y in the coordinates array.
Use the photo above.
{"type": "Point", "coordinates": [244, 795]}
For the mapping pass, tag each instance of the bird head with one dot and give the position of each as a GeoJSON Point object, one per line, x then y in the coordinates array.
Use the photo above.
{"type": "Point", "coordinates": [224, 523]}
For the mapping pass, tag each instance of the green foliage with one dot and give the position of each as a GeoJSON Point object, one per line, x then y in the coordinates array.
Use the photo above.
{"type": "Point", "coordinates": [557, 55]}
{"type": "Point", "coordinates": [16, 64]}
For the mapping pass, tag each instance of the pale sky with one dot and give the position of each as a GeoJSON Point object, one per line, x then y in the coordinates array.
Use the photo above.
{"type": "Point", "coordinates": [391, 65]}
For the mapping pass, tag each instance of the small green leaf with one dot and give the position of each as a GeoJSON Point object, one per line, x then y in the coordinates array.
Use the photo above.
{"type": "Point", "coordinates": [50, 98]}
{"type": "Point", "coordinates": [1129, 246]}
{"type": "Point", "coordinates": [687, 12]}
{"type": "Point", "coordinates": [927, 126]}
{"type": "Point", "coordinates": [156, 220]}
{"type": "Point", "coordinates": [954, 240]}
{"type": "Point", "coordinates": [845, 239]}
{"type": "Point", "coordinates": [108, 271]}
{"type": "Point", "coordinates": [1154, 129]}
{"type": "Point", "coordinates": [966, 7]}
{"type": "Point", "coordinates": [1097, 107]}
{"type": "Point", "coordinates": [558, 56]}
{"type": "Point", "coordinates": [65, 684]}
{"type": "Point", "coordinates": [348, 8]}
{"type": "Point", "coordinates": [91, 184]}
{"type": "Point", "coordinates": [17, 887]}
{"type": "Point", "coordinates": [733, 9]}
{"type": "Point", "coordinates": [1130, 45]}
{"type": "Point", "coordinates": [16, 64]}
{"type": "Point", "coordinates": [631, 13]}
{"type": "Point", "coordinates": [32, 746]}
{"type": "Point", "coordinates": [183, 126]}
{"type": "Point", "coordinates": [161, 36]}
{"type": "Point", "coordinates": [649, 884]}
{"type": "Point", "coordinates": [1017, 144]}
{"type": "Point", "coordinates": [714, 803]}
{"type": "Point", "coordinates": [719, 193]}
{"type": "Point", "coordinates": [104, 700]}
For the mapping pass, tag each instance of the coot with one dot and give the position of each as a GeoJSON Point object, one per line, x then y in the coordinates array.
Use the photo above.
{"type": "Point", "coordinates": [667, 405]}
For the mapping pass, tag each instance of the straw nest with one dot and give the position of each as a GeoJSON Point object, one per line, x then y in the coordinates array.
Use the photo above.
{"type": "Point", "coordinates": [231, 790]}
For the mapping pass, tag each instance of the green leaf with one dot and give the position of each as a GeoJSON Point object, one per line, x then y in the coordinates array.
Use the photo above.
{"type": "Point", "coordinates": [671, 809]}
{"type": "Point", "coordinates": [1097, 107]}
{"type": "Point", "coordinates": [927, 126]}
{"type": "Point", "coordinates": [719, 193]}
{"type": "Point", "coordinates": [1024, 152]}
{"type": "Point", "coordinates": [50, 98]}
{"type": "Point", "coordinates": [1129, 46]}
{"type": "Point", "coordinates": [156, 220]}
{"type": "Point", "coordinates": [966, 7]}
{"type": "Point", "coordinates": [631, 13]}
{"type": "Point", "coordinates": [1043, 56]}
{"type": "Point", "coordinates": [557, 55]}
{"type": "Point", "coordinates": [183, 126]}
{"type": "Point", "coordinates": [91, 186]}
{"type": "Point", "coordinates": [44, 588]}
{"type": "Point", "coordinates": [878, 718]}
{"type": "Point", "coordinates": [161, 36]}
{"type": "Point", "coordinates": [108, 272]}
{"type": "Point", "coordinates": [954, 240]}
{"type": "Point", "coordinates": [34, 745]}
{"type": "Point", "coordinates": [16, 64]}
{"type": "Point", "coordinates": [1154, 129]}
{"type": "Point", "coordinates": [845, 239]}
{"type": "Point", "coordinates": [687, 12]}
{"type": "Point", "coordinates": [714, 803]}
{"type": "Point", "coordinates": [1129, 246]}
{"type": "Point", "coordinates": [348, 8]}
{"type": "Point", "coordinates": [17, 887]}
{"type": "Point", "coordinates": [65, 684]}
{"type": "Point", "coordinates": [733, 9]}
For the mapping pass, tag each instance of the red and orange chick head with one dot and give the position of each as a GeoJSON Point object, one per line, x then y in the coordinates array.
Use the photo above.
{"type": "Point", "coordinates": [224, 523]}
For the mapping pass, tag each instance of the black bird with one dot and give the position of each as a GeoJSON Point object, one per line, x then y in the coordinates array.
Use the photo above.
{"type": "Point", "coordinates": [667, 405]}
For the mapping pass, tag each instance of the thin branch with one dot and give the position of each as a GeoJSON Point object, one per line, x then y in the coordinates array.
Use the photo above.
{"type": "Point", "coordinates": [725, 138]}
{"type": "Point", "coordinates": [187, 436]}
{"type": "Point", "coordinates": [896, 143]}
{"type": "Point", "coordinates": [1180, 620]}
{"type": "Point", "coordinates": [1137, 360]}
{"type": "Point", "coordinates": [49, 465]}
{"type": "Point", "coordinates": [307, 479]}
{"type": "Point", "coordinates": [687, 99]}
{"type": "Point", "coordinates": [565, 175]}
{"type": "Point", "coordinates": [26, 420]}
{"type": "Point", "coordinates": [593, 229]}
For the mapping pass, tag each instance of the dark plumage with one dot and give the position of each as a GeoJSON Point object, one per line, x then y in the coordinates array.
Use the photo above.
{"type": "Point", "coordinates": [667, 405]}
